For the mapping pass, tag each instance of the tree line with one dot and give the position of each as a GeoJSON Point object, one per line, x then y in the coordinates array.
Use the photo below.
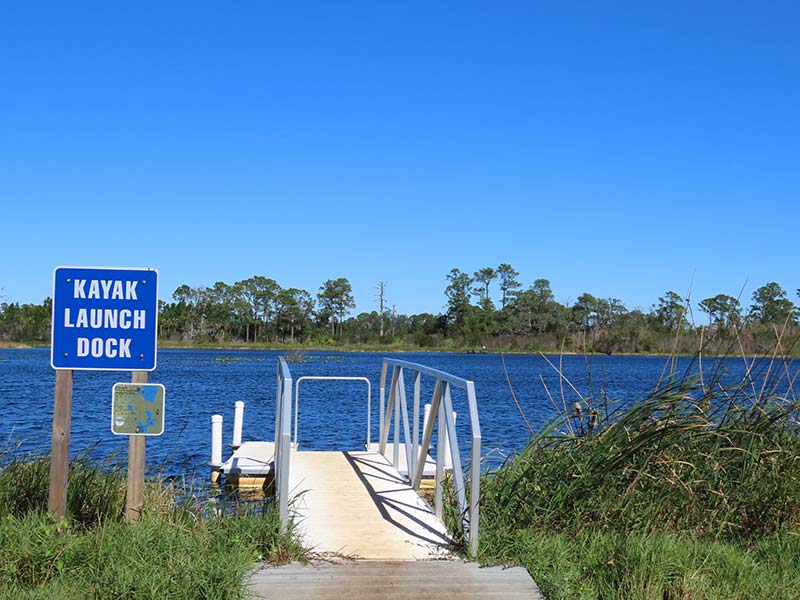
{"type": "Point", "coordinates": [259, 310]}
{"type": "Point", "coordinates": [531, 318]}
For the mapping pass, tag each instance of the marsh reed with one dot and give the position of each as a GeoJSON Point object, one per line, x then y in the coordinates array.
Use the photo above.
{"type": "Point", "coordinates": [691, 492]}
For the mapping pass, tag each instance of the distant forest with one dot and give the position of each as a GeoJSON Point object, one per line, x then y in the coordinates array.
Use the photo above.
{"type": "Point", "coordinates": [259, 311]}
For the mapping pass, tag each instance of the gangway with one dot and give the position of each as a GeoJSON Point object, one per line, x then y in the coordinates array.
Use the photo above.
{"type": "Point", "coordinates": [367, 504]}
{"type": "Point", "coordinates": [337, 497]}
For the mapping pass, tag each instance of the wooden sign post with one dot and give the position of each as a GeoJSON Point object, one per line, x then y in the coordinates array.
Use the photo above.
{"type": "Point", "coordinates": [59, 459]}
{"type": "Point", "coordinates": [134, 499]}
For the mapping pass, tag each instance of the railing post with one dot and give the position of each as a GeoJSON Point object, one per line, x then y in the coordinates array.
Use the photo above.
{"type": "Point", "coordinates": [283, 423]}
{"type": "Point", "coordinates": [276, 438]}
{"type": "Point", "coordinates": [296, 410]}
{"type": "Point", "coordinates": [412, 474]}
{"type": "Point", "coordinates": [285, 452]}
{"type": "Point", "coordinates": [369, 412]}
{"type": "Point", "coordinates": [475, 472]}
{"type": "Point", "coordinates": [397, 399]}
{"type": "Point", "coordinates": [458, 473]}
{"type": "Point", "coordinates": [448, 454]}
{"type": "Point", "coordinates": [384, 366]}
{"type": "Point", "coordinates": [388, 414]}
{"type": "Point", "coordinates": [403, 405]}
{"type": "Point", "coordinates": [439, 417]}
{"type": "Point", "coordinates": [278, 461]}
{"type": "Point", "coordinates": [427, 434]}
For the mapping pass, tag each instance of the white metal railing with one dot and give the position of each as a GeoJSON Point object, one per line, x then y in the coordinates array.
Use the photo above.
{"type": "Point", "coordinates": [283, 423]}
{"type": "Point", "coordinates": [441, 416]}
{"type": "Point", "coordinates": [329, 378]}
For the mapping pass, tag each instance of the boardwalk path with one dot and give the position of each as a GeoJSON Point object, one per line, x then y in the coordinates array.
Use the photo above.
{"type": "Point", "coordinates": [355, 505]}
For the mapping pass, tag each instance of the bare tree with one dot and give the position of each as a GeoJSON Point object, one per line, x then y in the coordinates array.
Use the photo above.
{"type": "Point", "coordinates": [381, 287]}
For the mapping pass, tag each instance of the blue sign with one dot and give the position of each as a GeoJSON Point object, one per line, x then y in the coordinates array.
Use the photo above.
{"type": "Point", "coordinates": [104, 319]}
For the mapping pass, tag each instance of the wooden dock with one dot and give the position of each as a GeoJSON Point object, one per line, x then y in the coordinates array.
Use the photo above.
{"type": "Point", "coordinates": [251, 466]}
{"type": "Point", "coordinates": [383, 580]}
{"type": "Point", "coordinates": [356, 504]}
{"type": "Point", "coordinates": [371, 534]}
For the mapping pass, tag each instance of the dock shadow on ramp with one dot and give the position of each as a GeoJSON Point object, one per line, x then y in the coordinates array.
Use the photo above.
{"type": "Point", "coordinates": [356, 504]}
{"type": "Point", "coordinates": [397, 503]}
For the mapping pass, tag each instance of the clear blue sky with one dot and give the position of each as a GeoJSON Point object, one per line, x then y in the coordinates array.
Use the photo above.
{"type": "Point", "coordinates": [622, 150]}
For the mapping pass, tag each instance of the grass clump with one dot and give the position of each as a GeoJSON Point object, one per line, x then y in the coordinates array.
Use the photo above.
{"type": "Point", "coordinates": [693, 492]}
{"type": "Point", "coordinates": [654, 566]}
{"type": "Point", "coordinates": [182, 547]}
{"type": "Point", "coordinates": [96, 491]}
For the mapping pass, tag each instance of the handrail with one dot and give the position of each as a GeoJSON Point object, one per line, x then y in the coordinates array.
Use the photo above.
{"type": "Point", "coordinates": [441, 414]}
{"type": "Point", "coordinates": [283, 421]}
{"type": "Point", "coordinates": [459, 382]}
{"type": "Point", "coordinates": [330, 378]}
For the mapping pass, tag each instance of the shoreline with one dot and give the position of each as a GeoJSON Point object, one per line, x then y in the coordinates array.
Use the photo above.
{"type": "Point", "coordinates": [295, 348]}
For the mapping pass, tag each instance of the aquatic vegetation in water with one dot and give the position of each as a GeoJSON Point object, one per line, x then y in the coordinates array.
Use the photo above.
{"type": "Point", "coordinates": [239, 359]}
{"type": "Point", "coordinates": [297, 356]}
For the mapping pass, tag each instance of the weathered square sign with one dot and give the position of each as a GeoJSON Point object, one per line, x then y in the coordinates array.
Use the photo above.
{"type": "Point", "coordinates": [137, 409]}
{"type": "Point", "coordinates": [104, 319]}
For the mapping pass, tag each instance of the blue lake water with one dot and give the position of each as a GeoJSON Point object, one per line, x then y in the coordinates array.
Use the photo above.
{"type": "Point", "coordinates": [200, 383]}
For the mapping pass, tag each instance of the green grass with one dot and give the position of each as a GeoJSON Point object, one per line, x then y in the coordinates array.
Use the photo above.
{"type": "Point", "coordinates": [95, 492]}
{"type": "Point", "coordinates": [182, 547]}
{"type": "Point", "coordinates": [692, 493]}
{"type": "Point", "coordinates": [654, 566]}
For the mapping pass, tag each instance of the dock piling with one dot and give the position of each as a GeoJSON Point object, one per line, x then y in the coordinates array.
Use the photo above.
{"type": "Point", "coordinates": [238, 420]}
{"type": "Point", "coordinates": [216, 447]}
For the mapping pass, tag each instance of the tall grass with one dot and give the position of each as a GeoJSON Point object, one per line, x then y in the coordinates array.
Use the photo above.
{"type": "Point", "coordinates": [182, 547]}
{"type": "Point", "coordinates": [697, 481]}
{"type": "Point", "coordinates": [96, 491]}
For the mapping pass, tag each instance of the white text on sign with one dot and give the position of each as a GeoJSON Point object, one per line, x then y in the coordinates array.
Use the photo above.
{"type": "Point", "coordinates": [105, 318]}
{"type": "Point", "coordinates": [105, 289]}
{"type": "Point", "coordinates": [99, 347]}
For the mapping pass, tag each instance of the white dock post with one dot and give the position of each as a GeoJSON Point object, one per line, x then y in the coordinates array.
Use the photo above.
{"type": "Point", "coordinates": [238, 419]}
{"type": "Point", "coordinates": [216, 447]}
